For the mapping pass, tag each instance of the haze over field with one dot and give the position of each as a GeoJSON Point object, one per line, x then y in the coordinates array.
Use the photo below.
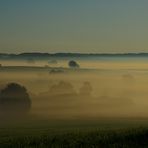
{"type": "Point", "coordinates": [99, 88]}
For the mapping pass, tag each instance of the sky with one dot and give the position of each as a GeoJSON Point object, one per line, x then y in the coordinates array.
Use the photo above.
{"type": "Point", "coordinates": [86, 26]}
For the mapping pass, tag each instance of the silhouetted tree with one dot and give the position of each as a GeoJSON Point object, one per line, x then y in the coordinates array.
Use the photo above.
{"type": "Point", "coordinates": [62, 88]}
{"type": "Point", "coordinates": [73, 64]}
{"type": "Point", "coordinates": [86, 89]}
{"type": "Point", "coordinates": [14, 99]}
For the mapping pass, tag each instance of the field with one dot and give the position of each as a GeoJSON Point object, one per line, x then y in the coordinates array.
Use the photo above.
{"type": "Point", "coordinates": [105, 133]}
{"type": "Point", "coordinates": [100, 106]}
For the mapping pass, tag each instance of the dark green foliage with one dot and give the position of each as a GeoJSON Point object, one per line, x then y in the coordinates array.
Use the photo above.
{"type": "Point", "coordinates": [137, 138]}
{"type": "Point", "coordinates": [73, 64]}
{"type": "Point", "coordinates": [14, 99]}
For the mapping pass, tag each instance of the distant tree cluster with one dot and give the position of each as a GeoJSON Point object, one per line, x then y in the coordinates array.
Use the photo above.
{"type": "Point", "coordinates": [62, 88]}
{"type": "Point", "coordinates": [67, 89]}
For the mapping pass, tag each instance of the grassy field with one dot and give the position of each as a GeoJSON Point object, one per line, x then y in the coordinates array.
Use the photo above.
{"type": "Point", "coordinates": [74, 123]}
{"type": "Point", "coordinates": [76, 134]}
{"type": "Point", "coordinates": [78, 139]}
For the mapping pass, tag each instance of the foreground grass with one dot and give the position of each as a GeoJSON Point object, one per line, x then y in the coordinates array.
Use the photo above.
{"type": "Point", "coordinates": [133, 138]}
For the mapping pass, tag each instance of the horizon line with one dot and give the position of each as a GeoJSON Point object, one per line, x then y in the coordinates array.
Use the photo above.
{"type": "Point", "coordinates": [83, 53]}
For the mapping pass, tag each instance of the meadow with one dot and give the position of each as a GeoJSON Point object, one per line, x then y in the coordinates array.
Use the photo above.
{"type": "Point", "coordinates": [101, 104]}
{"type": "Point", "coordinates": [93, 134]}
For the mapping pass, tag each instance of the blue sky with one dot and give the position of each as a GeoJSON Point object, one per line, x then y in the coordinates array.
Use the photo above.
{"type": "Point", "coordinates": [100, 26]}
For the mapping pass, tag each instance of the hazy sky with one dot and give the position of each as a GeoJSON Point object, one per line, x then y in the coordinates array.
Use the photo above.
{"type": "Point", "coordinates": [74, 25]}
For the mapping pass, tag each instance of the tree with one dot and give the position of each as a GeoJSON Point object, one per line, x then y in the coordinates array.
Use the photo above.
{"type": "Point", "coordinates": [73, 64]}
{"type": "Point", "coordinates": [14, 99]}
{"type": "Point", "coordinates": [86, 89]}
{"type": "Point", "coordinates": [62, 88]}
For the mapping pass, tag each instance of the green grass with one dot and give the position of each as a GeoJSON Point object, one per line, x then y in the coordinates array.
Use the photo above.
{"type": "Point", "coordinates": [133, 138]}
{"type": "Point", "coordinates": [104, 133]}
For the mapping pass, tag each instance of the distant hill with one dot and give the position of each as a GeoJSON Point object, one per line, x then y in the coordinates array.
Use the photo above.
{"type": "Point", "coordinates": [38, 55]}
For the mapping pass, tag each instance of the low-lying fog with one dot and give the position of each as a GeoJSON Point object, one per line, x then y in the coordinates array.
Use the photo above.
{"type": "Point", "coordinates": [116, 89]}
{"type": "Point", "coordinates": [98, 63]}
